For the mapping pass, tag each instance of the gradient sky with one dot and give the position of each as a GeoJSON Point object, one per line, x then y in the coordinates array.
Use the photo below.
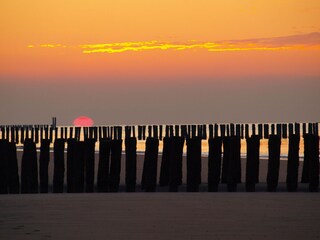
{"type": "Point", "coordinates": [143, 62]}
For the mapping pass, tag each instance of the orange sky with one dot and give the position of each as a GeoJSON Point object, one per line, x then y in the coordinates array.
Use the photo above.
{"type": "Point", "coordinates": [73, 24]}
{"type": "Point", "coordinates": [133, 42]}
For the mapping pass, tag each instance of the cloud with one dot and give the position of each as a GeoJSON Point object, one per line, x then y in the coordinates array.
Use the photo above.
{"type": "Point", "coordinates": [302, 41]}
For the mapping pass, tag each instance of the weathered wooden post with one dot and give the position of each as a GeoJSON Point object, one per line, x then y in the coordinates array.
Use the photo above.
{"type": "Point", "coordinates": [104, 165]}
{"type": "Point", "coordinates": [193, 164]}
{"type": "Point", "coordinates": [59, 166]}
{"type": "Point", "coordinates": [115, 165]}
{"type": "Point", "coordinates": [149, 174]}
{"type": "Point", "coordinates": [252, 167]}
{"type": "Point", "coordinates": [4, 166]}
{"type": "Point", "coordinates": [311, 142]}
{"type": "Point", "coordinates": [131, 163]}
{"type": "Point", "coordinates": [274, 162]}
{"type": "Point", "coordinates": [175, 163]}
{"type": "Point", "coordinates": [13, 183]}
{"type": "Point", "coordinates": [214, 163]}
{"type": "Point", "coordinates": [89, 159]}
{"type": "Point", "coordinates": [293, 162]}
{"type": "Point", "coordinates": [165, 161]}
{"type": "Point", "coordinates": [29, 168]}
{"type": "Point", "coordinates": [43, 165]}
{"type": "Point", "coordinates": [71, 164]}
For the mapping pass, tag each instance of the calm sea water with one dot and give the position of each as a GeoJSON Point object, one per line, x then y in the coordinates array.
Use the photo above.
{"type": "Point", "coordinates": [263, 146]}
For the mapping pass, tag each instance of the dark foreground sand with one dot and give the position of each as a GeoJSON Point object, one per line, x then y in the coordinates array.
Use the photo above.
{"type": "Point", "coordinates": [161, 216]}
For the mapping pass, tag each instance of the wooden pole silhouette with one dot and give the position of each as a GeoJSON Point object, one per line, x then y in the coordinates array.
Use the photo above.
{"type": "Point", "coordinates": [165, 162]}
{"type": "Point", "coordinates": [59, 166]}
{"type": "Point", "coordinates": [13, 180]}
{"type": "Point", "coordinates": [273, 163]}
{"type": "Point", "coordinates": [4, 165]}
{"type": "Point", "coordinates": [252, 167]}
{"type": "Point", "coordinates": [149, 174]}
{"type": "Point", "coordinates": [311, 162]}
{"type": "Point", "coordinates": [89, 159]}
{"type": "Point", "coordinates": [43, 165]}
{"type": "Point", "coordinates": [193, 164]}
{"type": "Point", "coordinates": [293, 163]}
{"type": "Point", "coordinates": [29, 168]}
{"type": "Point", "coordinates": [131, 163]}
{"type": "Point", "coordinates": [214, 163]}
{"type": "Point", "coordinates": [104, 165]}
{"type": "Point", "coordinates": [115, 165]}
{"type": "Point", "coordinates": [9, 179]}
{"type": "Point", "coordinates": [175, 163]}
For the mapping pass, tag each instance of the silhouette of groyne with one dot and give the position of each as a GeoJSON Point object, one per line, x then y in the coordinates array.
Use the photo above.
{"type": "Point", "coordinates": [224, 158]}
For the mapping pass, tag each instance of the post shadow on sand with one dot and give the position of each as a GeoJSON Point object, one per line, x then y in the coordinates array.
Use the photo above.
{"type": "Point", "coordinates": [9, 178]}
{"type": "Point", "coordinates": [29, 167]}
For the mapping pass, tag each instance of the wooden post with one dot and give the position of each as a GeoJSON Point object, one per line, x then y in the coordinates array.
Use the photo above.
{"type": "Point", "coordinates": [59, 166]}
{"type": "Point", "coordinates": [252, 167]}
{"type": "Point", "coordinates": [29, 168]}
{"type": "Point", "coordinates": [131, 163]}
{"type": "Point", "coordinates": [193, 164]}
{"type": "Point", "coordinates": [175, 163]}
{"type": "Point", "coordinates": [13, 183]}
{"type": "Point", "coordinates": [314, 165]}
{"type": "Point", "coordinates": [310, 172]}
{"type": "Point", "coordinates": [115, 165]}
{"type": "Point", "coordinates": [293, 163]}
{"type": "Point", "coordinates": [284, 130]}
{"type": "Point", "coordinates": [216, 129]}
{"type": "Point", "coordinates": [214, 163]}
{"type": "Point", "coordinates": [149, 174]}
{"type": "Point", "coordinates": [43, 165]}
{"type": "Point", "coordinates": [89, 159]}
{"type": "Point", "coordinates": [274, 162]}
{"type": "Point", "coordinates": [104, 165]}
{"type": "Point", "coordinates": [246, 135]}
{"type": "Point", "coordinates": [165, 162]}
{"type": "Point", "coordinates": [210, 131]}
{"type": "Point", "coordinates": [4, 166]}
{"type": "Point", "coordinates": [260, 131]}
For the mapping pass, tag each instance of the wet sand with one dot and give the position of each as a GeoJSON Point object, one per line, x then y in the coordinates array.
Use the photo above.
{"type": "Point", "coordinates": [160, 216]}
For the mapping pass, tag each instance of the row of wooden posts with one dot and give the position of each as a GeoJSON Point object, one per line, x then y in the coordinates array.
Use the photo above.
{"type": "Point", "coordinates": [222, 167]}
{"type": "Point", "coordinates": [18, 133]}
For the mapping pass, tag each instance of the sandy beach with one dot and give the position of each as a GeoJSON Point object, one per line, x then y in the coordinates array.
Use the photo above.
{"type": "Point", "coordinates": [160, 216]}
{"type": "Point", "coordinates": [164, 215]}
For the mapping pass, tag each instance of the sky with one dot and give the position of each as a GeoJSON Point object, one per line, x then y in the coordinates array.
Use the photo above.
{"type": "Point", "coordinates": [159, 62]}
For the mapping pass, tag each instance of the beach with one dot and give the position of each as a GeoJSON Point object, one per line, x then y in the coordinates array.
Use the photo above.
{"type": "Point", "coordinates": [164, 215]}
{"type": "Point", "coordinates": [160, 216]}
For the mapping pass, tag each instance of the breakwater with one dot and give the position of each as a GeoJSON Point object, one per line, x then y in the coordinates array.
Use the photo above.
{"type": "Point", "coordinates": [224, 156]}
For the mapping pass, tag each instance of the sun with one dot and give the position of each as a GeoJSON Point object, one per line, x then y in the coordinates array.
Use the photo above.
{"type": "Point", "coordinates": [83, 121]}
